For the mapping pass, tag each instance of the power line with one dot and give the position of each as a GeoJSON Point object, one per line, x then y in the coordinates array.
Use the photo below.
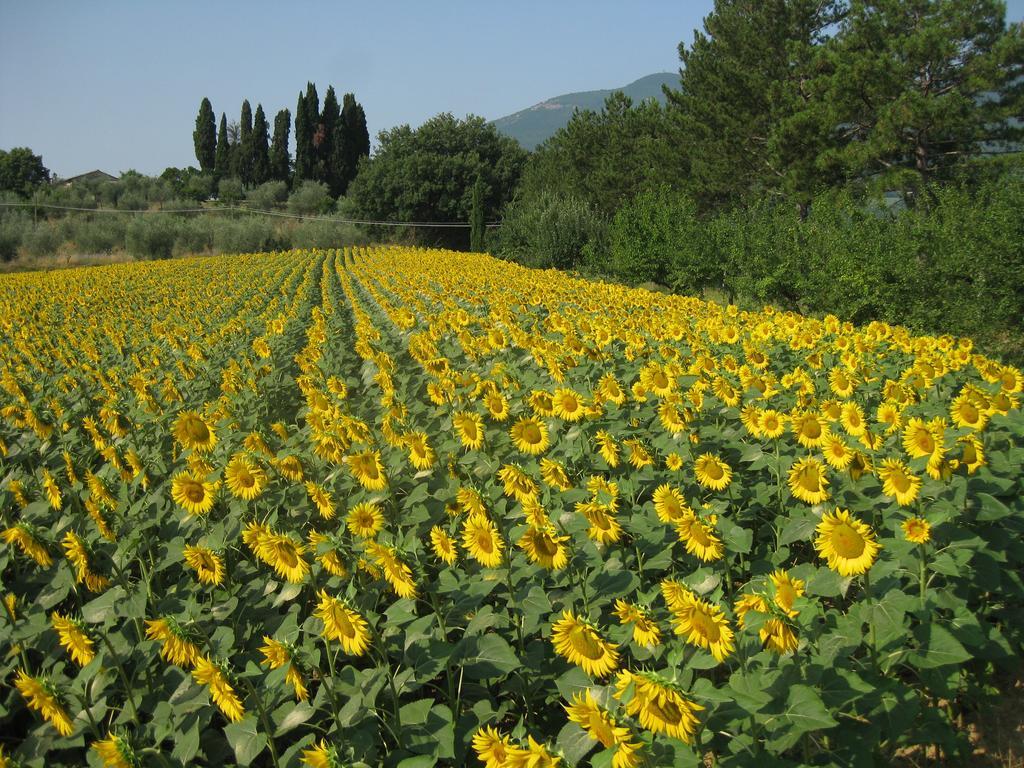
{"type": "Point", "coordinates": [244, 209]}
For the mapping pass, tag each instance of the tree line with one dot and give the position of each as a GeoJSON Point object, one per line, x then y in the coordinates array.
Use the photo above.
{"type": "Point", "coordinates": [329, 142]}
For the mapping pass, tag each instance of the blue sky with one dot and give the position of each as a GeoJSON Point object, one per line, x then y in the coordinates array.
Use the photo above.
{"type": "Point", "coordinates": [116, 85]}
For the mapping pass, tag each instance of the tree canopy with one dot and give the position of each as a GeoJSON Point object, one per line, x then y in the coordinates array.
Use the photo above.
{"type": "Point", "coordinates": [21, 171]}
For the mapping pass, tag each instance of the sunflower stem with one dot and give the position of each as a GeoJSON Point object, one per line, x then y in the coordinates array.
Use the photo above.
{"type": "Point", "coordinates": [124, 677]}
{"type": "Point", "coordinates": [266, 723]}
{"type": "Point", "coordinates": [923, 572]}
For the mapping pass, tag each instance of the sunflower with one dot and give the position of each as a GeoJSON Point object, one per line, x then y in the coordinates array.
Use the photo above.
{"type": "Point", "coordinates": [579, 641]}
{"type": "Point", "coordinates": [176, 644]}
{"type": "Point", "coordinates": [673, 462]}
{"type": "Point", "coordinates": [321, 499]}
{"type": "Point", "coordinates": [669, 504]}
{"type": "Point", "coordinates": [917, 530]}
{"type": "Point", "coordinates": [808, 428]}
{"type": "Point", "coordinates": [495, 750]}
{"type": "Point", "coordinates": [211, 674]}
{"type": "Point", "coordinates": [773, 424]}
{"type": "Point", "coordinates": [365, 520]}
{"type": "Point", "coordinates": [898, 481]}
{"type": "Point", "coordinates": [518, 484]}
{"type": "Point", "coordinates": [77, 554]}
{"type": "Point", "coordinates": [658, 705]}
{"type": "Point", "coordinates": [41, 695]}
{"type": "Point", "coordinates": [778, 636]}
{"type": "Point", "coordinates": [639, 456]}
{"type": "Point", "coordinates": [244, 477]}
{"type": "Point", "coordinates": [276, 655]}
{"type": "Point", "coordinates": [704, 625]}
{"type": "Point", "coordinates": [837, 453]}
{"type": "Point", "coordinates": [193, 433]}
{"type": "Point", "coordinates": [604, 526]}
{"type": "Point", "coordinates": [321, 755]}
{"type": "Point", "coordinates": [568, 405]}
{"type": "Point", "coordinates": [919, 439]}
{"type": "Point", "coordinates": [480, 538]}
{"type": "Point", "coordinates": [712, 472]}
{"type": "Point", "coordinates": [542, 403]}
{"type": "Point", "coordinates": [852, 419]}
{"type": "Point", "coordinates": [343, 624]}
{"type": "Point", "coordinates": [208, 565]}
{"type": "Point", "coordinates": [848, 544]}
{"type": "Point", "coordinates": [968, 412]}
{"type": "Point", "coordinates": [553, 474]}
{"type": "Point", "coordinates": [115, 751]}
{"type": "Point", "coordinates": [610, 390]}
{"type": "Point", "coordinates": [787, 590]}
{"type": "Point", "coordinates": [52, 490]}
{"type": "Point", "coordinates": [608, 448]}
{"type": "Point", "coordinates": [73, 638]}
{"type": "Point", "coordinates": [397, 574]}
{"type": "Point", "coordinates": [421, 455]}
{"type": "Point", "coordinates": [645, 629]}
{"type": "Point", "coordinates": [601, 727]}
{"type": "Point", "coordinates": [544, 547]}
{"type": "Point", "coordinates": [192, 493]}
{"type": "Point", "coordinates": [24, 536]}
{"type": "Point", "coordinates": [699, 537]}
{"type": "Point", "coordinates": [972, 453]}
{"type": "Point", "coordinates": [807, 481]}
{"type": "Point", "coordinates": [367, 469]}
{"type": "Point", "coordinates": [496, 404]}
{"type": "Point", "coordinates": [443, 545]}
{"type": "Point", "coordinates": [331, 560]}
{"type": "Point", "coordinates": [530, 436]}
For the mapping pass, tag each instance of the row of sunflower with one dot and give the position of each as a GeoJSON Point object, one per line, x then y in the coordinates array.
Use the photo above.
{"type": "Point", "coordinates": [389, 504]}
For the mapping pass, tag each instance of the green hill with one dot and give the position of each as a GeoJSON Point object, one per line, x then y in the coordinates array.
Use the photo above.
{"type": "Point", "coordinates": [533, 125]}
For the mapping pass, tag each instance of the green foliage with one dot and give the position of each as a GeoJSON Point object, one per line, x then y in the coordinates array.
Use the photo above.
{"type": "Point", "coordinates": [427, 174]}
{"type": "Point", "coordinates": [230, 190]}
{"type": "Point", "coordinates": [280, 162]}
{"type": "Point", "coordinates": [606, 158]}
{"type": "Point", "coordinates": [21, 171]}
{"type": "Point", "coordinates": [329, 143]}
{"type": "Point", "coordinates": [243, 152]}
{"type": "Point", "coordinates": [310, 198]}
{"type": "Point", "coordinates": [551, 230]}
{"type": "Point", "coordinates": [477, 218]}
{"type": "Point", "coordinates": [260, 157]}
{"type": "Point", "coordinates": [915, 88]}
{"type": "Point", "coordinates": [356, 142]}
{"type": "Point", "coordinates": [102, 234]}
{"type": "Point", "coordinates": [222, 158]}
{"type": "Point", "coordinates": [269, 195]}
{"type": "Point", "coordinates": [204, 137]}
{"type": "Point", "coordinates": [243, 235]}
{"type": "Point", "coordinates": [151, 237]}
{"type": "Point", "coordinates": [43, 239]}
{"type": "Point", "coordinates": [13, 226]}
{"type": "Point", "coordinates": [325, 234]}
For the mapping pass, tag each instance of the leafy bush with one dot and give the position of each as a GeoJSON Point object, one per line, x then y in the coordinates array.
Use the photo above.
{"type": "Point", "coordinates": [269, 195]}
{"type": "Point", "coordinates": [325, 234]}
{"type": "Point", "coordinates": [230, 190]}
{"type": "Point", "coordinates": [151, 237]}
{"type": "Point", "coordinates": [13, 225]}
{"type": "Point", "coordinates": [550, 231]}
{"type": "Point", "coordinates": [246, 235]}
{"type": "Point", "coordinates": [43, 239]}
{"type": "Point", "coordinates": [100, 235]}
{"type": "Point", "coordinates": [195, 235]}
{"type": "Point", "coordinates": [310, 198]}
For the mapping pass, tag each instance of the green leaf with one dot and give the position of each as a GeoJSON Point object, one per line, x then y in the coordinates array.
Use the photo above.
{"type": "Point", "coordinates": [805, 711]}
{"type": "Point", "coordinates": [991, 508]}
{"type": "Point", "coordinates": [416, 712]}
{"type": "Point", "coordinates": [574, 743]}
{"type": "Point", "coordinates": [573, 681]}
{"type": "Point", "coordinates": [245, 739]}
{"type": "Point", "coordinates": [103, 607]}
{"type": "Point", "coordinates": [485, 656]}
{"type": "Point", "coordinates": [937, 648]}
{"type": "Point", "coordinates": [291, 716]}
{"type": "Point", "coordinates": [798, 528]}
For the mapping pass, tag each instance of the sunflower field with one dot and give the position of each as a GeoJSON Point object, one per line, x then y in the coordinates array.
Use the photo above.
{"type": "Point", "coordinates": [403, 507]}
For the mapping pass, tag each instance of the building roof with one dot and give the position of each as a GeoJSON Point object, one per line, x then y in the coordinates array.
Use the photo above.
{"type": "Point", "coordinates": [90, 176]}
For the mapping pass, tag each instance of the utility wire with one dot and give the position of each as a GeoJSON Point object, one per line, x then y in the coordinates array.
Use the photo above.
{"type": "Point", "coordinates": [244, 209]}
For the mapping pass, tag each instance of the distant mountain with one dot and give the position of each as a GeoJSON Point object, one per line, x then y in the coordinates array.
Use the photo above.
{"type": "Point", "coordinates": [533, 125]}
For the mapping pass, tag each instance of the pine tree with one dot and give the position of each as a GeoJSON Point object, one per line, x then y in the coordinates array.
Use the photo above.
{"type": "Point", "coordinates": [916, 87]}
{"type": "Point", "coordinates": [751, 124]}
{"type": "Point", "coordinates": [260, 160]}
{"type": "Point", "coordinates": [303, 141]}
{"type": "Point", "coordinates": [356, 143]}
{"type": "Point", "coordinates": [222, 160]}
{"type": "Point", "coordinates": [328, 169]}
{"type": "Point", "coordinates": [477, 218]}
{"type": "Point", "coordinates": [279, 159]}
{"type": "Point", "coordinates": [204, 137]}
{"type": "Point", "coordinates": [244, 151]}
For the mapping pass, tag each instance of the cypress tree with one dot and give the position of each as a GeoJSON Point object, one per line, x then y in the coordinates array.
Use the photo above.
{"type": "Point", "coordinates": [244, 151]}
{"type": "Point", "coordinates": [356, 143]}
{"type": "Point", "coordinates": [328, 161]}
{"type": "Point", "coordinates": [260, 160]}
{"type": "Point", "coordinates": [204, 137]}
{"type": "Point", "coordinates": [222, 160]}
{"type": "Point", "coordinates": [316, 137]}
{"type": "Point", "coordinates": [303, 141]}
{"type": "Point", "coordinates": [476, 217]}
{"type": "Point", "coordinates": [279, 160]}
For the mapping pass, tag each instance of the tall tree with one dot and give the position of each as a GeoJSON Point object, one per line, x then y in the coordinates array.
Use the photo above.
{"type": "Point", "coordinates": [21, 171]}
{"type": "Point", "coordinates": [279, 159]}
{"type": "Point", "coordinates": [477, 218]}
{"type": "Point", "coordinates": [243, 152]}
{"type": "Point", "coordinates": [746, 111]}
{"type": "Point", "coordinates": [204, 137]}
{"type": "Point", "coordinates": [916, 87]}
{"type": "Point", "coordinates": [355, 142]}
{"type": "Point", "coordinates": [324, 140]}
{"type": "Point", "coordinates": [222, 159]}
{"type": "Point", "coordinates": [303, 141]}
{"type": "Point", "coordinates": [260, 161]}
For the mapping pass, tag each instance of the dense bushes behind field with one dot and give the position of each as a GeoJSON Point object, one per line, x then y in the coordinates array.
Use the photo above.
{"type": "Point", "coordinates": [163, 235]}
{"type": "Point", "coordinates": [952, 264]}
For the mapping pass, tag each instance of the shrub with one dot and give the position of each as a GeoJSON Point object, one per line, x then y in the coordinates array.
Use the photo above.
{"type": "Point", "coordinates": [247, 235]}
{"type": "Point", "coordinates": [310, 199]}
{"type": "Point", "coordinates": [13, 225]}
{"type": "Point", "coordinates": [151, 237]}
{"type": "Point", "coordinates": [550, 231]}
{"type": "Point", "coordinates": [268, 196]}
{"type": "Point", "coordinates": [100, 235]}
{"type": "Point", "coordinates": [43, 239]}
{"type": "Point", "coordinates": [325, 234]}
{"type": "Point", "coordinates": [230, 190]}
{"type": "Point", "coordinates": [195, 235]}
